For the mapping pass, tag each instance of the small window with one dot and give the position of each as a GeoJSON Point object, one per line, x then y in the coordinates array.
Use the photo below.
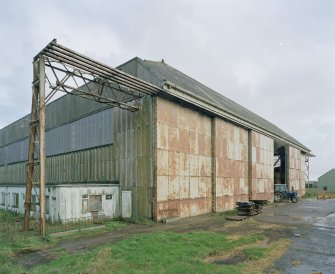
{"type": "Point", "coordinates": [47, 204]}
{"type": "Point", "coordinates": [3, 198]}
{"type": "Point", "coordinates": [109, 197]}
{"type": "Point", "coordinates": [33, 203]}
{"type": "Point", "coordinates": [7, 200]}
{"type": "Point", "coordinates": [84, 204]}
{"type": "Point", "coordinates": [325, 188]}
{"type": "Point", "coordinates": [15, 200]}
{"type": "Point", "coordinates": [91, 203]}
{"type": "Point", "coordinates": [94, 203]}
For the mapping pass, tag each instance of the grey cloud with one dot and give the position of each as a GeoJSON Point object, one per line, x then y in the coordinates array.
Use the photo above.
{"type": "Point", "coordinates": [273, 57]}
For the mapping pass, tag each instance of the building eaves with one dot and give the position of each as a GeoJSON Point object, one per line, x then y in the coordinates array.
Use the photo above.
{"type": "Point", "coordinates": [177, 79]}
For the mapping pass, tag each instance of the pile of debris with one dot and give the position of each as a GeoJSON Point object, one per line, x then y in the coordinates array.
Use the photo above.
{"type": "Point", "coordinates": [246, 209]}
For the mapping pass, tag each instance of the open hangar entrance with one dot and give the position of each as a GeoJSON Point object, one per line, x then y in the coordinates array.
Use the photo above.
{"type": "Point", "coordinates": [291, 166]}
{"type": "Point", "coordinates": [280, 153]}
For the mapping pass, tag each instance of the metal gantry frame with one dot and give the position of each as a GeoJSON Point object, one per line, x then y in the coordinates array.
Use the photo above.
{"type": "Point", "coordinates": [68, 71]}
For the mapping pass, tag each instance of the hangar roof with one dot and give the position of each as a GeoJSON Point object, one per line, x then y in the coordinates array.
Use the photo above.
{"type": "Point", "coordinates": [161, 74]}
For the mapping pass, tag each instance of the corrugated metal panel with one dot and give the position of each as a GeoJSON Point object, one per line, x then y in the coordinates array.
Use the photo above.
{"type": "Point", "coordinates": [2, 156]}
{"type": "Point", "coordinates": [59, 112]}
{"type": "Point", "coordinates": [126, 204]}
{"type": "Point", "coordinates": [91, 131]}
{"type": "Point", "coordinates": [128, 160]}
{"type": "Point", "coordinates": [16, 152]}
{"type": "Point", "coordinates": [159, 72]}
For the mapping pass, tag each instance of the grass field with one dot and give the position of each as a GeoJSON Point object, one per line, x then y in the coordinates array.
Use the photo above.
{"type": "Point", "coordinates": [154, 252]}
{"type": "Point", "coordinates": [167, 252]}
{"type": "Point", "coordinates": [317, 193]}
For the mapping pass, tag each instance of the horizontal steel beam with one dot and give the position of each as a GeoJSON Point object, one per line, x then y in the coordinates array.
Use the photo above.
{"type": "Point", "coordinates": [70, 57]}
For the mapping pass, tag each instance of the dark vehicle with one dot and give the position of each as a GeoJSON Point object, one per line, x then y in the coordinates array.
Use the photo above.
{"type": "Point", "coordinates": [282, 193]}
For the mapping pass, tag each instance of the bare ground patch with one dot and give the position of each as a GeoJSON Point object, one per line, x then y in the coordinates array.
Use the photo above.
{"type": "Point", "coordinates": [214, 223]}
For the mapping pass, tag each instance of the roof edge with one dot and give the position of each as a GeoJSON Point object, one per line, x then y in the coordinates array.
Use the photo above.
{"type": "Point", "coordinates": [200, 102]}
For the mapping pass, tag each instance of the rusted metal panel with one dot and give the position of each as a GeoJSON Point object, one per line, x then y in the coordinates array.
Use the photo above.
{"type": "Point", "coordinates": [162, 187]}
{"type": "Point", "coordinates": [204, 182]}
{"type": "Point", "coordinates": [231, 165]}
{"type": "Point", "coordinates": [184, 164]}
{"type": "Point", "coordinates": [296, 170]}
{"type": "Point", "coordinates": [183, 208]}
{"type": "Point", "coordinates": [182, 134]}
{"type": "Point", "coordinates": [162, 136]}
{"type": "Point", "coordinates": [174, 160]}
{"type": "Point", "coordinates": [184, 184]}
{"type": "Point", "coordinates": [262, 173]}
{"type": "Point", "coordinates": [194, 187]}
{"type": "Point", "coordinates": [173, 139]}
{"type": "Point", "coordinates": [174, 187]}
{"type": "Point", "coordinates": [162, 162]}
{"type": "Point", "coordinates": [204, 166]}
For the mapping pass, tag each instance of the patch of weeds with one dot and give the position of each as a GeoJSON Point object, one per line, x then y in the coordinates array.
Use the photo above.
{"type": "Point", "coordinates": [273, 251]}
{"type": "Point", "coordinates": [317, 193]}
{"type": "Point", "coordinates": [243, 240]}
{"type": "Point", "coordinates": [139, 220]}
{"type": "Point", "coordinates": [296, 263]}
{"type": "Point", "coordinates": [16, 245]}
{"type": "Point", "coordinates": [255, 253]}
{"type": "Point", "coordinates": [227, 213]}
{"type": "Point", "coordinates": [9, 217]}
{"type": "Point", "coordinates": [112, 225]}
{"type": "Point", "coordinates": [158, 252]}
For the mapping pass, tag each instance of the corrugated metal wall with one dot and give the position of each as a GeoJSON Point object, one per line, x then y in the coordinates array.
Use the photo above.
{"type": "Point", "coordinates": [91, 131]}
{"type": "Point", "coordinates": [61, 111]}
{"type": "Point", "coordinates": [128, 160]}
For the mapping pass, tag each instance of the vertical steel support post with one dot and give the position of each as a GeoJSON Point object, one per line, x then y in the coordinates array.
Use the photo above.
{"type": "Point", "coordinates": [154, 157]}
{"type": "Point", "coordinates": [42, 143]}
{"type": "Point", "coordinates": [213, 148]}
{"type": "Point", "coordinates": [306, 168]}
{"type": "Point", "coordinates": [250, 179]}
{"type": "Point", "coordinates": [31, 148]}
{"type": "Point", "coordinates": [287, 167]}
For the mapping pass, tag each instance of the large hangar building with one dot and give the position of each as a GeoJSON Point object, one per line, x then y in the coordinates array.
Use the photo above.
{"type": "Point", "coordinates": [187, 151]}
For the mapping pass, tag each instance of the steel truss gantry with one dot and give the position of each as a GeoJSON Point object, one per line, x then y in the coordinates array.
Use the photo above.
{"type": "Point", "coordinates": [68, 71]}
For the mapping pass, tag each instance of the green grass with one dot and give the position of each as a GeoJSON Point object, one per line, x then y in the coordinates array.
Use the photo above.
{"type": "Point", "coordinates": [255, 253]}
{"type": "Point", "coordinates": [139, 220]}
{"type": "Point", "coordinates": [112, 225]}
{"type": "Point", "coordinates": [315, 193]}
{"type": "Point", "coordinates": [156, 252]}
{"type": "Point", "coordinates": [14, 242]}
{"type": "Point", "coordinates": [7, 217]}
{"type": "Point", "coordinates": [159, 252]}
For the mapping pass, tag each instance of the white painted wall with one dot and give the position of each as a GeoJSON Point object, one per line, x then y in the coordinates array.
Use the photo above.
{"type": "Point", "coordinates": [65, 201]}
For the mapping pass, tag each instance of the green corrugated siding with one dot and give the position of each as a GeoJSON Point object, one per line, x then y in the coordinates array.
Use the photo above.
{"type": "Point", "coordinates": [61, 111]}
{"type": "Point", "coordinates": [327, 180]}
{"type": "Point", "coordinates": [128, 160]}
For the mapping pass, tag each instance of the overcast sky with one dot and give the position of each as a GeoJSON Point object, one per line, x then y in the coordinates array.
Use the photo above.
{"type": "Point", "coordinates": [277, 58]}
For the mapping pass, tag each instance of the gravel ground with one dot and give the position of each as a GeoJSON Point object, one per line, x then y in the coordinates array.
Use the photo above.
{"type": "Point", "coordinates": [312, 224]}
